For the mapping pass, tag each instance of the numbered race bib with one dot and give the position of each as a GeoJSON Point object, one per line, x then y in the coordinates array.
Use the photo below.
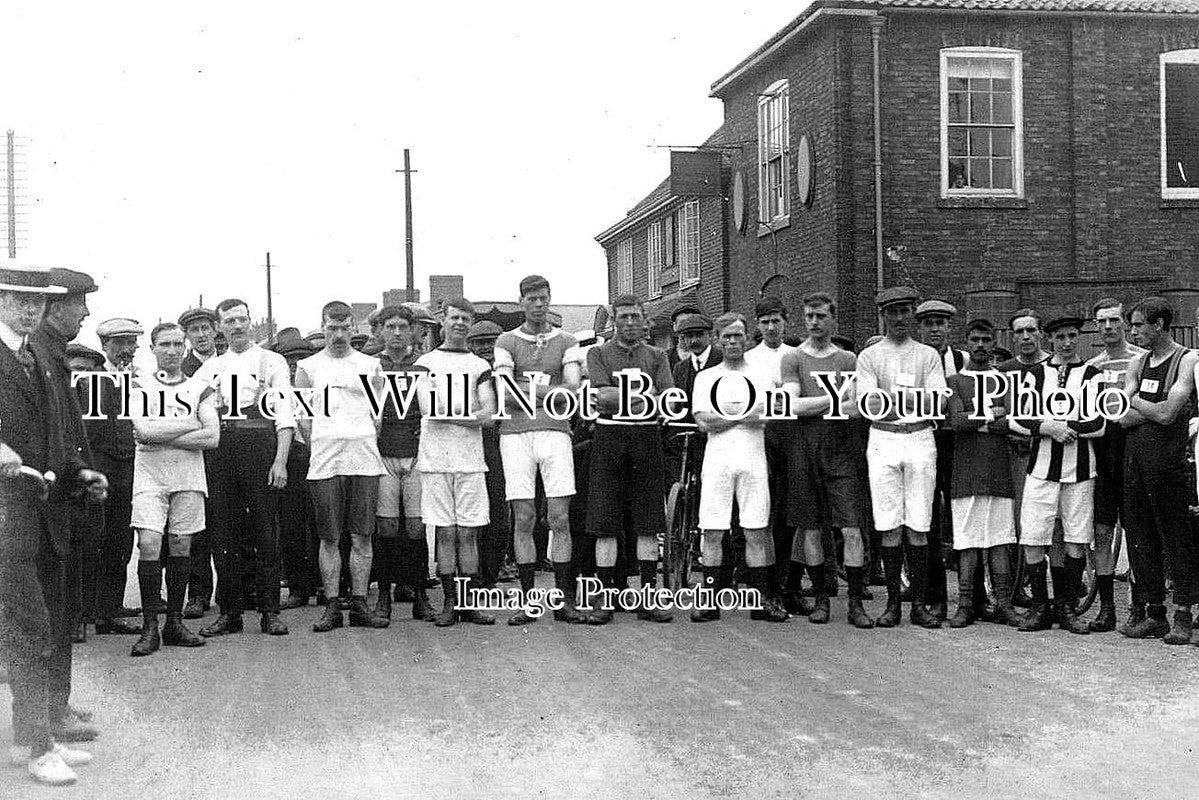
{"type": "Point", "coordinates": [1149, 386]}
{"type": "Point", "coordinates": [905, 379]}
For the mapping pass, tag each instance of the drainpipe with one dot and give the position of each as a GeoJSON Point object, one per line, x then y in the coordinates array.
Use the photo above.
{"type": "Point", "coordinates": [876, 28]}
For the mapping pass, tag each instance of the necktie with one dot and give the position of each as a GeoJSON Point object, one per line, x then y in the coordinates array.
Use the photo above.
{"type": "Point", "coordinates": [25, 358]}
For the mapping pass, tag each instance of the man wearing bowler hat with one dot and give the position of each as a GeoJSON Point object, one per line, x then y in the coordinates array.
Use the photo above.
{"type": "Point", "coordinates": [34, 540]}
{"type": "Point", "coordinates": [62, 320]}
{"type": "Point", "coordinates": [112, 444]}
{"type": "Point", "coordinates": [901, 455]}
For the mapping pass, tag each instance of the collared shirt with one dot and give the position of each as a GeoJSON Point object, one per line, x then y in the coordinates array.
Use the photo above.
{"type": "Point", "coordinates": [547, 353]}
{"type": "Point", "coordinates": [700, 361]}
{"type": "Point", "coordinates": [256, 369]}
{"type": "Point", "coordinates": [613, 357]}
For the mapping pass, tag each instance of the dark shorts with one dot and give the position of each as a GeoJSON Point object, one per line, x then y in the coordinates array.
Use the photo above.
{"type": "Point", "coordinates": [1109, 478]}
{"type": "Point", "coordinates": [344, 502]}
{"type": "Point", "coordinates": [626, 481]}
{"type": "Point", "coordinates": [825, 478]}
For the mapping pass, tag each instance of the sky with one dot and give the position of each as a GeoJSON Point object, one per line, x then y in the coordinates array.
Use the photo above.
{"type": "Point", "coordinates": [165, 149]}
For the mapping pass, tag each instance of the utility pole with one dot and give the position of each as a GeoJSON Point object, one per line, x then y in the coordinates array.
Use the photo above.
{"type": "Point", "coordinates": [411, 273]}
{"type": "Point", "coordinates": [12, 199]}
{"type": "Point", "coordinates": [270, 314]}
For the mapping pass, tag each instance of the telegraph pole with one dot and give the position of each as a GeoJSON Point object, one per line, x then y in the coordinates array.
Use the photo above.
{"type": "Point", "coordinates": [411, 273]}
{"type": "Point", "coordinates": [12, 199]}
{"type": "Point", "coordinates": [270, 314]}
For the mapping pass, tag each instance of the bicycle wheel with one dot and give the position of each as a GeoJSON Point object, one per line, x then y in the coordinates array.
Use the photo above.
{"type": "Point", "coordinates": [670, 540]}
{"type": "Point", "coordinates": [1090, 586]}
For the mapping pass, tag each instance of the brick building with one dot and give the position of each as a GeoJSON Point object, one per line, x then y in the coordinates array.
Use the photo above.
{"type": "Point", "coordinates": [1030, 152]}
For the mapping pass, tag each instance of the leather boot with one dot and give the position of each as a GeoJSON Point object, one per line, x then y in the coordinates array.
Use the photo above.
{"type": "Point", "coordinates": [195, 608]}
{"type": "Point", "coordinates": [148, 642]}
{"type": "Point", "coordinates": [1105, 620]}
{"type": "Point", "coordinates": [1001, 582]}
{"type": "Point", "coordinates": [475, 617]}
{"type": "Point", "coordinates": [856, 615]}
{"type": "Point", "coordinates": [711, 581]}
{"type": "Point", "coordinates": [918, 572]}
{"type": "Point", "coordinates": [1136, 615]}
{"type": "Point", "coordinates": [447, 616]}
{"type": "Point", "coordinates": [422, 609]}
{"type": "Point", "coordinates": [361, 617]}
{"type": "Point", "coordinates": [1069, 619]}
{"type": "Point", "coordinates": [967, 568]}
{"type": "Point", "coordinates": [176, 634]}
{"type": "Point", "coordinates": [1152, 626]}
{"type": "Point", "coordinates": [1039, 617]}
{"type": "Point", "coordinates": [296, 598]}
{"type": "Point", "coordinates": [565, 583]}
{"type": "Point", "coordinates": [892, 567]}
{"type": "Point", "coordinates": [649, 577]}
{"type": "Point", "coordinates": [330, 618]}
{"type": "Point", "coordinates": [1180, 633]}
{"type": "Point", "coordinates": [383, 603]}
{"type": "Point", "coordinates": [270, 624]}
{"type": "Point", "coordinates": [598, 614]}
{"type": "Point", "coordinates": [224, 624]}
{"type": "Point", "coordinates": [527, 574]}
{"type": "Point", "coordinates": [820, 610]}
{"type": "Point", "coordinates": [770, 610]}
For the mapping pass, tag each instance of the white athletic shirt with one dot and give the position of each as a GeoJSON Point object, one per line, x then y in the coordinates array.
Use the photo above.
{"type": "Point", "coordinates": [444, 446]}
{"type": "Point", "coordinates": [344, 440]}
{"type": "Point", "coordinates": [769, 360]}
{"type": "Point", "coordinates": [739, 442]}
{"type": "Point", "coordinates": [161, 468]}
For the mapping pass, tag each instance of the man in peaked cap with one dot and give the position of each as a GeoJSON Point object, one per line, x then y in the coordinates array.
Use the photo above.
{"type": "Point", "coordinates": [424, 322]}
{"type": "Point", "coordinates": [199, 325]}
{"type": "Point", "coordinates": [902, 454]}
{"type": "Point", "coordinates": [677, 353]}
{"type": "Point", "coordinates": [61, 323]}
{"type": "Point", "coordinates": [935, 318]}
{"type": "Point", "coordinates": [34, 536]}
{"type": "Point", "coordinates": [112, 444]}
{"type": "Point", "coordinates": [81, 358]}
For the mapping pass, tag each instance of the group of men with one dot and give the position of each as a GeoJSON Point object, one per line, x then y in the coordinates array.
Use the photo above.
{"type": "Point", "coordinates": [326, 458]}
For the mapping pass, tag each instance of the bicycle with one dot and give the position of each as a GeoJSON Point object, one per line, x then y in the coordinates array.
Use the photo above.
{"type": "Point", "coordinates": [1090, 587]}
{"type": "Point", "coordinates": [680, 545]}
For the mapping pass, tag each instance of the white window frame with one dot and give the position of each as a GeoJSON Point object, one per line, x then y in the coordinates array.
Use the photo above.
{"type": "Point", "coordinates": [624, 266]}
{"type": "Point", "coordinates": [655, 258]}
{"type": "Point", "coordinates": [688, 236]}
{"type": "Point", "coordinates": [775, 100]}
{"type": "Point", "coordinates": [1190, 56]}
{"type": "Point", "coordinates": [992, 53]}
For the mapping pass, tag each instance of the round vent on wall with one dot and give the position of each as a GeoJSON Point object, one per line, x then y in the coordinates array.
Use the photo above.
{"type": "Point", "coordinates": [805, 173]}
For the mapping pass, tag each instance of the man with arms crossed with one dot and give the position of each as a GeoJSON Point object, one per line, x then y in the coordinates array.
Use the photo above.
{"type": "Point", "coordinates": [1060, 480]}
{"type": "Point", "coordinates": [735, 467]}
{"type": "Point", "coordinates": [1112, 364]}
{"type": "Point", "coordinates": [1161, 387]}
{"type": "Point", "coordinates": [169, 485]}
{"type": "Point", "coordinates": [540, 443]}
{"type": "Point", "coordinates": [344, 464]}
{"type": "Point", "coordinates": [456, 400]}
{"type": "Point", "coordinates": [823, 490]}
{"type": "Point", "coordinates": [901, 454]}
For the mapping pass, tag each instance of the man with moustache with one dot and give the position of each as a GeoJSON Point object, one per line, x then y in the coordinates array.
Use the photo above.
{"type": "Point", "coordinates": [248, 467]}
{"type": "Point", "coordinates": [199, 326]}
{"type": "Point", "coordinates": [1109, 454]}
{"type": "Point", "coordinates": [111, 440]}
{"type": "Point", "coordinates": [344, 463]}
{"type": "Point", "coordinates": [34, 540]}
{"type": "Point", "coordinates": [61, 323]}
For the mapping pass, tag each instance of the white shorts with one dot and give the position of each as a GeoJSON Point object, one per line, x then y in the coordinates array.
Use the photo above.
{"type": "Point", "coordinates": [903, 476]}
{"type": "Point", "coordinates": [523, 453]}
{"type": "Point", "coordinates": [724, 478]}
{"type": "Point", "coordinates": [177, 513]}
{"type": "Point", "coordinates": [402, 481]}
{"type": "Point", "coordinates": [1045, 501]}
{"type": "Point", "coordinates": [454, 498]}
{"type": "Point", "coordinates": [982, 520]}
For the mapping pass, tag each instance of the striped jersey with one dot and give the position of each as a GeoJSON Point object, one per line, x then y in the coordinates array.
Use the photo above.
{"type": "Point", "coordinates": [1050, 460]}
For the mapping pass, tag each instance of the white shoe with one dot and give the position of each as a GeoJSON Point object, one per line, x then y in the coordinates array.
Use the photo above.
{"type": "Point", "coordinates": [18, 755]}
{"type": "Point", "coordinates": [70, 757]}
{"type": "Point", "coordinates": [50, 769]}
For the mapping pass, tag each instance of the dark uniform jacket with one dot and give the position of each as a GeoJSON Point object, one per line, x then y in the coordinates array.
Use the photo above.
{"type": "Point", "coordinates": [685, 372]}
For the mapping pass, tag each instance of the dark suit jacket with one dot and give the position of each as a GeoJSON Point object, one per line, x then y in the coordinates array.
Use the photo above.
{"type": "Point", "coordinates": [684, 375]}
{"type": "Point", "coordinates": [31, 422]}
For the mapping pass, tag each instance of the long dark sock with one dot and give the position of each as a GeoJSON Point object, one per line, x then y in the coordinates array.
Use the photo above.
{"type": "Point", "coordinates": [178, 568]}
{"type": "Point", "coordinates": [1001, 575]}
{"type": "Point", "coordinates": [967, 569]}
{"type": "Point", "coordinates": [528, 574]}
{"type": "Point", "coordinates": [816, 574]}
{"type": "Point", "coordinates": [418, 566]}
{"type": "Point", "coordinates": [1075, 568]}
{"type": "Point", "coordinates": [856, 578]}
{"type": "Point", "coordinates": [794, 577]}
{"type": "Point", "coordinates": [892, 567]}
{"type": "Point", "coordinates": [607, 576]}
{"type": "Point", "coordinates": [918, 572]}
{"type": "Point", "coordinates": [1107, 596]}
{"type": "Point", "coordinates": [1062, 588]}
{"type": "Point", "coordinates": [649, 573]}
{"type": "Point", "coordinates": [564, 580]}
{"type": "Point", "coordinates": [1036, 580]}
{"type": "Point", "coordinates": [149, 580]}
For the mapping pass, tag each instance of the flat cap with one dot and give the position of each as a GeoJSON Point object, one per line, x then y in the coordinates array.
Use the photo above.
{"type": "Point", "coordinates": [1066, 321]}
{"type": "Point", "coordinates": [685, 308]}
{"type": "Point", "coordinates": [935, 308]}
{"type": "Point", "coordinates": [119, 326]}
{"type": "Point", "coordinates": [896, 294]}
{"type": "Point", "coordinates": [484, 329]}
{"type": "Point", "coordinates": [27, 280]}
{"type": "Point", "coordinates": [195, 315]}
{"type": "Point", "coordinates": [73, 281]}
{"type": "Point", "coordinates": [77, 350]}
{"type": "Point", "coordinates": [692, 322]}
{"type": "Point", "coordinates": [421, 313]}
